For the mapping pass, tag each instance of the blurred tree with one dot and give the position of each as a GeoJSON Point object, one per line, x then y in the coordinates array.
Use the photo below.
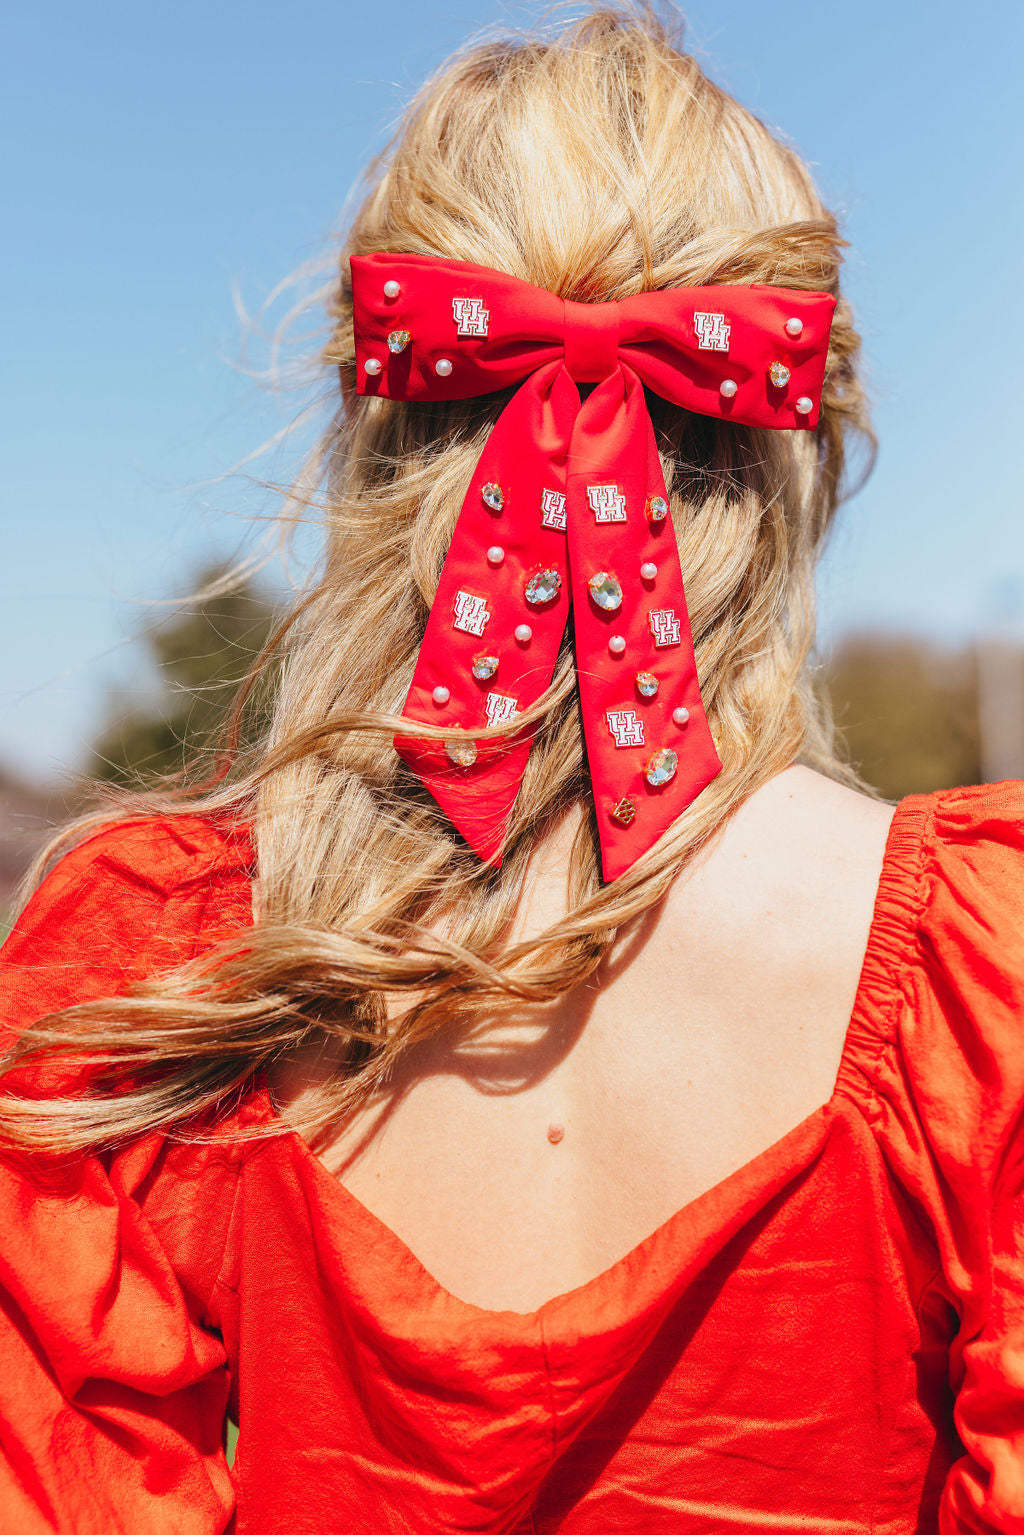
{"type": "Point", "coordinates": [908, 712]}
{"type": "Point", "coordinates": [201, 653]}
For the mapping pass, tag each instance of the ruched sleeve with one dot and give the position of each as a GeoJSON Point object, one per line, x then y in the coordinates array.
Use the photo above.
{"type": "Point", "coordinates": [957, 1116]}
{"type": "Point", "coordinates": [113, 1380]}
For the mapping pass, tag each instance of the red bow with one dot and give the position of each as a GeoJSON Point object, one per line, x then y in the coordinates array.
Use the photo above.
{"type": "Point", "coordinates": [567, 508]}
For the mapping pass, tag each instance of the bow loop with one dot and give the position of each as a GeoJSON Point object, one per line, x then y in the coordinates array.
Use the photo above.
{"type": "Point", "coordinates": [566, 512]}
{"type": "Point", "coordinates": [591, 341]}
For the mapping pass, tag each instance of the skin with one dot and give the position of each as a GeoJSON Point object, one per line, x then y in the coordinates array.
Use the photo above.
{"type": "Point", "coordinates": [716, 1027]}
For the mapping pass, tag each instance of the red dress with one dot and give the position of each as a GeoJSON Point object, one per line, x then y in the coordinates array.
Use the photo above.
{"type": "Point", "coordinates": [831, 1340]}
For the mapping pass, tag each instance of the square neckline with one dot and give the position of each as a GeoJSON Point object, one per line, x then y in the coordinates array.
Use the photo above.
{"type": "Point", "coordinates": [886, 927]}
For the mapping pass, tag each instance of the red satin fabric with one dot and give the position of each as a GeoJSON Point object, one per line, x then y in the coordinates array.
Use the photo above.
{"type": "Point", "coordinates": [547, 443]}
{"type": "Point", "coordinates": [828, 1340]}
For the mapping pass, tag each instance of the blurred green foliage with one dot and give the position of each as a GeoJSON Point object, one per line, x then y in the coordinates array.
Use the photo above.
{"type": "Point", "coordinates": [907, 711]}
{"type": "Point", "coordinates": [201, 653]}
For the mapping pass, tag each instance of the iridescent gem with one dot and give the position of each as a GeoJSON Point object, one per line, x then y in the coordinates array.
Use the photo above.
{"type": "Point", "coordinates": [657, 509]}
{"type": "Point", "coordinates": [493, 496]}
{"type": "Point", "coordinates": [543, 586]}
{"type": "Point", "coordinates": [623, 812]}
{"type": "Point", "coordinates": [398, 340]}
{"type": "Point", "coordinates": [779, 374]}
{"type": "Point", "coordinates": [660, 767]}
{"type": "Point", "coordinates": [606, 591]}
{"type": "Point", "coordinates": [484, 667]}
{"type": "Point", "coordinates": [646, 684]}
{"type": "Point", "coordinates": [462, 753]}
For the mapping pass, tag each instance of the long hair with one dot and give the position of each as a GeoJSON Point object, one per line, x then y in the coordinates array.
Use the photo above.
{"type": "Point", "coordinates": [597, 161]}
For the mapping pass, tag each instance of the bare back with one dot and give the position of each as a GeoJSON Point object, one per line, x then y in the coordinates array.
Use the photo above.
{"type": "Point", "coordinates": [715, 1027]}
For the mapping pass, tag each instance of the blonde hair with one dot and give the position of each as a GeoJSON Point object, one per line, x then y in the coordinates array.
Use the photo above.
{"type": "Point", "coordinates": [597, 162]}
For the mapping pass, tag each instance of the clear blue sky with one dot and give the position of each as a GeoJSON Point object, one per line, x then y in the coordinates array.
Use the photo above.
{"type": "Point", "coordinates": [168, 155]}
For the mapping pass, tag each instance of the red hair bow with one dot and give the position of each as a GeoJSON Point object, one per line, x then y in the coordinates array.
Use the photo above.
{"type": "Point", "coordinates": [567, 508]}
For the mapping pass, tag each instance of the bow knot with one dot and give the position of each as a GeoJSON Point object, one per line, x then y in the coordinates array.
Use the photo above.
{"type": "Point", "coordinates": [567, 511]}
{"type": "Point", "coordinates": [591, 341]}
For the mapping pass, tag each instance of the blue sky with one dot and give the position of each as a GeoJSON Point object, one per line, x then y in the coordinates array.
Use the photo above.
{"type": "Point", "coordinates": [171, 160]}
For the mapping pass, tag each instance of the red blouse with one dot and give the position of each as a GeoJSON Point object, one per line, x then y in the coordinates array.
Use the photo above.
{"type": "Point", "coordinates": [830, 1340]}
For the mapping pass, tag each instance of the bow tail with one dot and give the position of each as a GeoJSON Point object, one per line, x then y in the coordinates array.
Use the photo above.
{"type": "Point", "coordinates": [649, 746]}
{"type": "Point", "coordinates": [496, 623]}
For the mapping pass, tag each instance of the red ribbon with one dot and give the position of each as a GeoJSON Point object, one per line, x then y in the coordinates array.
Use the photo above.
{"type": "Point", "coordinates": [580, 485]}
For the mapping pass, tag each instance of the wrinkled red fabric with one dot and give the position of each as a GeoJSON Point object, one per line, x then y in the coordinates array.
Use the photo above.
{"type": "Point", "coordinates": [493, 330]}
{"type": "Point", "coordinates": [831, 1339]}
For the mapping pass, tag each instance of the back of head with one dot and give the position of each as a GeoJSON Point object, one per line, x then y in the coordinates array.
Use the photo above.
{"type": "Point", "coordinates": [597, 161]}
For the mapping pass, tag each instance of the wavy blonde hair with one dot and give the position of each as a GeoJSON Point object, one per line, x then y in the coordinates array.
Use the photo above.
{"type": "Point", "coordinates": [598, 162]}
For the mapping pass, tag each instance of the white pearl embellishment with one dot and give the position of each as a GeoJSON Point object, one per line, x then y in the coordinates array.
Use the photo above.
{"type": "Point", "coordinates": [616, 644]}
{"type": "Point", "coordinates": [373, 365]}
{"type": "Point", "coordinates": [524, 634]}
{"type": "Point", "coordinates": [648, 570]}
{"type": "Point", "coordinates": [680, 716]}
{"type": "Point", "coordinates": [727, 388]}
{"type": "Point", "coordinates": [441, 695]}
{"type": "Point", "coordinates": [391, 288]}
{"type": "Point", "coordinates": [442, 367]}
{"type": "Point", "coordinates": [495, 554]}
{"type": "Point", "coordinates": [794, 327]}
{"type": "Point", "coordinates": [805, 405]}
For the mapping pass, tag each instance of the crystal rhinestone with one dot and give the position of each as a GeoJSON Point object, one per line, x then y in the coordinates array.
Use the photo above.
{"type": "Point", "coordinates": [660, 767]}
{"type": "Point", "coordinates": [657, 509]}
{"type": "Point", "coordinates": [680, 716]}
{"type": "Point", "coordinates": [373, 366]}
{"type": "Point", "coordinates": [462, 753]}
{"type": "Point", "coordinates": [493, 496]}
{"type": "Point", "coordinates": [543, 586]}
{"type": "Point", "coordinates": [484, 667]}
{"type": "Point", "coordinates": [623, 812]}
{"type": "Point", "coordinates": [727, 388]}
{"type": "Point", "coordinates": [495, 554]}
{"type": "Point", "coordinates": [805, 405]}
{"type": "Point", "coordinates": [794, 327]}
{"type": "Point", "coordinates": [391, 288]}
{"type": "Point", "coordinates": [524, 634]}
{"type": "Point", "coordinates": [616, 644]}
{"type": "Point", "coordinates": [606, 591]}
{"type": "Point", "coordinates": [648, 570]}
{"type": "Point", "coordinates": [398, 340]}
{"type": "Point", "coordinates": [441, 695]}
{"type": "Point", "coordinates": [779, 374]}
{"type": "Point", "coordinates": [646, 684]}
{"type": "Point", "coordinates": [442, 367]}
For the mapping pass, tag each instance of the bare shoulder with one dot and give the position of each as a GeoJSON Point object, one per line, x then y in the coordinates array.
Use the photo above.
{"type": "Point", "coordinates": [798, 862]}
{"type": "Point", "coordinates": [803, 804]}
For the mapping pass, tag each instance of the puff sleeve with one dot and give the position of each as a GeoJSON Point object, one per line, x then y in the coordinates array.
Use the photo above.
{"type": "Point", "coordinates": [113, 1383]}
{"type": "Point", "coordinates": [962, 1131]}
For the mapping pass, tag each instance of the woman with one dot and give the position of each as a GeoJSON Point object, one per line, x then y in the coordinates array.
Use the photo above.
{"type": "Point", "coordinates": [504, 1196]}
